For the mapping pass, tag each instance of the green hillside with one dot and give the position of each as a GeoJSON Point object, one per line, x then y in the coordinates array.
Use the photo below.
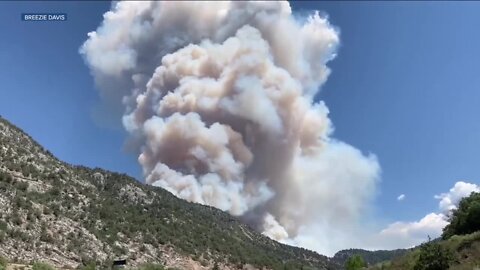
{"type": "Point", "coordinates": [70, 216]}
{"type": "Point", "coordinates": [464, 252]}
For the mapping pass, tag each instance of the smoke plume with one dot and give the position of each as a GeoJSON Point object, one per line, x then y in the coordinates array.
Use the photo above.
{"type": "Point", "coordinates": [218, 101]}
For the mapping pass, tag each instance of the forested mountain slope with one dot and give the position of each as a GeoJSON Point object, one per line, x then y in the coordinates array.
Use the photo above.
{"type": "Point", "coordinates": [72, 215]}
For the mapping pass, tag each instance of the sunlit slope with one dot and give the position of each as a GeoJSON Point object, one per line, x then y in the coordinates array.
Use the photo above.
{"type": "Point", "coordinates": [69, 215]}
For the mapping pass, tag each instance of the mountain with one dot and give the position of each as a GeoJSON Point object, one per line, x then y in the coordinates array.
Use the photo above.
{"type": "Point", "coordinates": [370, 257]}
{"type": "Point", "coordinates": [71, 216]}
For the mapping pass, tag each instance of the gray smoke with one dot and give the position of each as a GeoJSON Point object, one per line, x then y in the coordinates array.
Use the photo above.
{"type": "Point", "coordinates": [218, 102]}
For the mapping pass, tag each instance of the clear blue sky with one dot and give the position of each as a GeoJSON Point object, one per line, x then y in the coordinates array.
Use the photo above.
{"type": "Point", "coordinates": [405, 86]}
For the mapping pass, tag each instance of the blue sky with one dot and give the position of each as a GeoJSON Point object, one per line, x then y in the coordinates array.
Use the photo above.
{"type": "Point", "coordinates": [405, 86]}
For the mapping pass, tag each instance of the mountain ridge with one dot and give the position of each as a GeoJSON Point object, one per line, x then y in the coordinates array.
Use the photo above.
{"type": "Point", "coordinates": [72, 215]}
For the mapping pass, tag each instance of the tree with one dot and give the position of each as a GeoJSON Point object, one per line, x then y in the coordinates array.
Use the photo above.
{"type": "Point", "coordinates": [355, 262]}
{"type": "Point", "coordinates": [432, 257]}
{"type": "Point", "coordinates": [466, 218]}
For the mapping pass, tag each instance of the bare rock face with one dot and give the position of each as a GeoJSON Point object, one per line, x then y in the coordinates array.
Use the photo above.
{"type": "Point", "coordinates": [70, 216]}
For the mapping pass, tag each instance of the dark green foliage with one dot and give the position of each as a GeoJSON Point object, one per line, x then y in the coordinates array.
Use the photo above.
{"type": "Point", "coordinates": [16, 219]}
{"type": "Point", "coordinates": [3, 225]}
{"type": "Point", "coordinates": [42, 266]}
{"type": "Point", "coordinates": [22, 186]}
{"type": "Point", "coordinates": [432, 256]}
{"type": "Point", "coordinates": [54, 191]}
{"type": "Point", "coordinates": [5, 177]}
{"type": "Point", "coordinates": [355, 262]}
{"type": "Point", "coordinates": [466, 218]}
{"type": "Point", "coordinates": [3, 263]}
{"type": "Point", "coordinates": [17, 234]}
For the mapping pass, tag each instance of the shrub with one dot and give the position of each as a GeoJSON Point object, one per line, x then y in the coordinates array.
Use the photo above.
{"type": "Point", "coordinates": [3, 225]}
{"type": "Point", "coordinates": [89, 266]}
{"type": "Point", "coordinates": [42, 266]}
{"type": "Point", "coordinates": [3, 263]}
{"type": "Point", "coordinates": [2, 236]}
{"type": "Point", "coordinates": [23, 186]}
{"type": "Point", "coordinates": [432, 257]}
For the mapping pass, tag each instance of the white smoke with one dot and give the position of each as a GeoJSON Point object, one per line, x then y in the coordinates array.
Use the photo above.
{"type": "Point", "coordinates": [218, 101]}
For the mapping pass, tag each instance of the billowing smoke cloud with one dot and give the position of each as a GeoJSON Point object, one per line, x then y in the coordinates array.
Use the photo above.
{"type": "Point", "coordinates": [218, 102]}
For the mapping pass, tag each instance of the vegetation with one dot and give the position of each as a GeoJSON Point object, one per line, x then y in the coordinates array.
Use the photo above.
{"type": "Point", "coordinates": [466, 218]}
{"type": "Point", "coordinates": [463, 252]}
{"type": "Point", "coordinates": [3, 263]}
{"type": "Point", "coordinates": [42, 266]}
{"type": "Point", "coordinates": [113, 214]}
{"type": "Point", "coordinates": [432, 256]}
{"type": "Point", "coordinates": [459, 248]}
{"type": "Point", "coordinates": [355, 262]}
{"type": "Point", "coordinates": [370, 257]}
{"type": "Point", "coordinates": [88, 266]}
